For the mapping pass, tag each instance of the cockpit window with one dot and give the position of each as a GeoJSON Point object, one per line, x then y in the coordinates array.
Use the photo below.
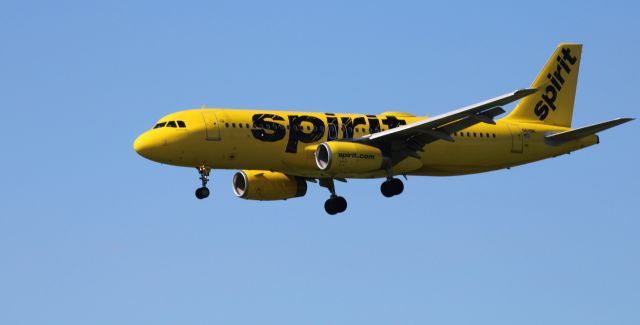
{"type": "Point", "coordinates": [170, 124]}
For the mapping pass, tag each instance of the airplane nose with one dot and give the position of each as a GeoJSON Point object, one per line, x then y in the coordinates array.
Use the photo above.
{"type": "Point", "coordinates": [143, 145]}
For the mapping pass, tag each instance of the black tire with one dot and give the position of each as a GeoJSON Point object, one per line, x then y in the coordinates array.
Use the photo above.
{"type": "Point", "coordinates": [386, 189]}
{"type": "Point", "coordinates": [330, 206]}
{"type": "Point", "coordinates": [202, 193]}
{"type": "Point", "coordinates": [397, 186]}
{"type": "Point", "coordinates": [341, 204]}
{"type": "Point", "coordinates": [205, 192]}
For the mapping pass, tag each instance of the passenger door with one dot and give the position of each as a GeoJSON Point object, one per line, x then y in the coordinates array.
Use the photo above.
{"type": "Point", "coordinates": [212, 125]}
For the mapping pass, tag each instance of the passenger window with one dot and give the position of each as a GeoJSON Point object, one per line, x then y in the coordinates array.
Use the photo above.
{"type": "Point", "coordinates": [233, 125]}
{"type": "Point", "coordinates": [181, 124]}
{"type": "Point", "coordinates": [160, 125]}
{"type": "Point", "coordinates": [240, 125]}
{"type": "Point", "coordinates": [474, 134]}
{"type": "Point", "coordinates": [481, 135]}
{"type": "Point", "coordinates": [226, 124]}
{"type": "Point", "coordinates": [247, 125]}
{"type": "Point", "coordinates": [487, 135]}
{"type": "Point", "coordinates": [494, 135]}
{"type": "Point", "coordinates": [171, 124]}
{"type": "Point", "coordinates": [468, 134]}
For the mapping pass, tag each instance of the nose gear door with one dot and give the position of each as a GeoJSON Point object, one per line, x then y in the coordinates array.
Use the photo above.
{"type": "Point", "coordinates": [212, 125]}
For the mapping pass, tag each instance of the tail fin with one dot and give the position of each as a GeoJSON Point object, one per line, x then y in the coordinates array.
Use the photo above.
{"type": "Point", "coordinates": [556, 86]}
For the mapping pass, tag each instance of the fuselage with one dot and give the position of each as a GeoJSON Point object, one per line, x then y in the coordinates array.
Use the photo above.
{"type": "Point", "coordinates": [286, 141]}
{"type": "Point", "coordinates": [278, 152]}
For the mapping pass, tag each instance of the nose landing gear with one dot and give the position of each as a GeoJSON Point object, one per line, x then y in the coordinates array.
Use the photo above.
{"type": "Point", "coordinates": [335, 204]}
{"type": "Point", "coordinates": [203, 192]}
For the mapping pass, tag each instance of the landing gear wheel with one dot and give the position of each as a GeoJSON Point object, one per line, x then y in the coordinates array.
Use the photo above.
{"type": "Point", "coordinates": [330, 206]}
{"type": "Point", "coordinates": [335, 204]}
{"type": "Point", "coordinates": [397, 186]}
{"type": "Point", "coordinates": [341, 203]}
{"type": "Point", "coordinates": [386, 189]}
{"type": "Point", "coordinates": [392, 187]}
{"type": "Point", "coordinates": [202, 193]}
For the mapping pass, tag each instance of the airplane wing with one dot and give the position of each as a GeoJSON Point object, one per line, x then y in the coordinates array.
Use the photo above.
{"type": "Point", "coordinates": [407, 140]}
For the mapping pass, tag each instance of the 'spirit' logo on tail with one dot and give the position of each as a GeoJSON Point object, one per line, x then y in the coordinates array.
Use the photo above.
{"type": "Point", "coordinates": [557, 80]}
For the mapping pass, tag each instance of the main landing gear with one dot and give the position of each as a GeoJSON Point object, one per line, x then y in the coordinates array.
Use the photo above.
{"type": "Point", "coordinates": [203, 192]}
{"type": "Point", "coordinates": [392, 186]}
{"type": "Point", "coordinates": [335, 204]}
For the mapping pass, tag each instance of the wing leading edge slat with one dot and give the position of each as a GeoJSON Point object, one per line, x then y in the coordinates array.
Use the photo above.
{"type": "Point", "coordinates": [477, 113]}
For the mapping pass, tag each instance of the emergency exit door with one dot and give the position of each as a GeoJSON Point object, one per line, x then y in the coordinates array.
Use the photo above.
{"type": "Point", "coordinates": [212, 125]}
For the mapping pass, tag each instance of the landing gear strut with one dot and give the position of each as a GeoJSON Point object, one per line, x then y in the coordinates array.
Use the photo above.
{"type": "Point", "coordinates": [203, 192]}
{"type": "Point", "coordinates": [391, 187]}
{"type": "Point", "coordinates": [335, 204]}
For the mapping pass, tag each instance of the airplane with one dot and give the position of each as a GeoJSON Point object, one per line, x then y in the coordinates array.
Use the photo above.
{"type": "Point", "coordinates": [279, 152]}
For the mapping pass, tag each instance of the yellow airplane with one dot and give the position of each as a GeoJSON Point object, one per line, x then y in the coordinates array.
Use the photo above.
{"type": "Point", "coordinates": [278, 152]}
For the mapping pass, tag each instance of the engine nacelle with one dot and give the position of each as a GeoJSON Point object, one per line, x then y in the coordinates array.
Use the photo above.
{"type": "Point", "coordinates": [347, 157]}
{"type": "Point", "coordinates": [264, 185]}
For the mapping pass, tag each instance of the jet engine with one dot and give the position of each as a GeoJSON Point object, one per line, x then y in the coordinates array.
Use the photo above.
{"type": "Point", "coordinates": [265, 185]}
{"type": "Point", "coordinates": [347, 157]}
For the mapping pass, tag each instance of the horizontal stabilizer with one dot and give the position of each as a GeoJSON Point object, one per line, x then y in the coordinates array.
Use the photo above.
{"type": "Point", "coordinates": [563, 137]}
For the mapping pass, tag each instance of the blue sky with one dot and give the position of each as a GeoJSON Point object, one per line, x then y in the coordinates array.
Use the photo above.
{"type": "Point", "coordinates": [91, 233]}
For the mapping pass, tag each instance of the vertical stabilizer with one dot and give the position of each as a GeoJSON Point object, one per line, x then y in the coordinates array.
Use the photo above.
{"type": "Point", "coordinates": [556, 84]}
